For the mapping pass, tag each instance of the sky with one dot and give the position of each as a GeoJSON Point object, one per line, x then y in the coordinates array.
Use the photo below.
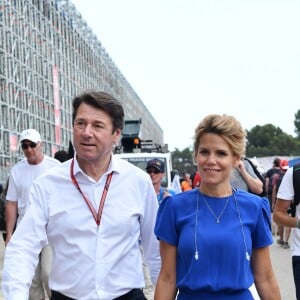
{"type": "Point", "coordinates": [189, 58]}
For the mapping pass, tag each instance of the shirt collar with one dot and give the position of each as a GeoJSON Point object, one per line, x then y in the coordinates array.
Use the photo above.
{"type": "Point", "coordinates": [113, 166]}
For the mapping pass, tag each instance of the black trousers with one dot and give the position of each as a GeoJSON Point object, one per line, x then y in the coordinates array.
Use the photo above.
{"type": "Point", "coordinates": [296, 273]}
{"type": "Point", "coordinates": [135, 294]}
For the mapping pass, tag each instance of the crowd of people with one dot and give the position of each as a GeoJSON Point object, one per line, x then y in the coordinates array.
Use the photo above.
{"type": "Point", "coordinates": [93, 226]}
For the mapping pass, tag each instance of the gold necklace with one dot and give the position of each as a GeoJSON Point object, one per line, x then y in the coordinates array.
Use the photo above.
{"type": "Point", "coordinates": [213, 213]}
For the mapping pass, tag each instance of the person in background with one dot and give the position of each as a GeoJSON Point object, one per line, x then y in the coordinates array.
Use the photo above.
{"type": "Point", "coordinates": [186, 183]}
{"type": "Point", "coordinates": [175, 179]}
{"type": "Point", "coordinates": [21, 178]}
{"type": "Point", "coordinates": [156, 170]}
{"type": "Point", "coordinates": [2, 207]}
{"type": "Point", "coordinates": [285, 197]}
{"type": "Point", "coordinates": [96, 211]}
{"type": "Point", "coordinates": [244, 178]}
{"type": "Point", "coordinates": [61, 155]}
{"type": "Point", "coordinates": [214, 241]}
{"type": "Point", "coordinates": [269, 174]}
{"type": "Point", "coordinates": [196, 180]}
{"type": "Point", "coordinates": [283, 232]}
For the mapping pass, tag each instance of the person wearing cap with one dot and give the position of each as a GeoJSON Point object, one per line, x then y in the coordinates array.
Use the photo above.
{"type": "Point", "coordinates": [276, 179]}
{"type": "Point", "coordinates": [21, 178]}
{"type": "Point", "coordinates": [156, 169]}
{"type": "Point", "coordinates": [269, 175]}
{"type": "Point", "coordinates": [283, 232]}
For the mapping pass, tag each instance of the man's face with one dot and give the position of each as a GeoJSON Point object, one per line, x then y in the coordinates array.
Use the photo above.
{"type": "Point", "coordinates": [32, 151]}
{"type": "Point", "coordinates": [155, 175]}
{"type": "Point", "coordinates": [93, 133]}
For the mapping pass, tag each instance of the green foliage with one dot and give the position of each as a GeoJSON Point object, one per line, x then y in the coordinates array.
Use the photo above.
{"type": "Point", "coordinates": [183, 161]}
{"type": "Point", "coordinates": [262, 135]}
{"type": "Point", "coordinates": [297, 123]}
{"type": "Point", "coordinates": [269, 140]}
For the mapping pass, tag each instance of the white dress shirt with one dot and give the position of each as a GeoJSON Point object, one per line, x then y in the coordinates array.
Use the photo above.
{"type": "Point", "coordinates": [89, 261]}
{"type": "Point", "coordinates": [286, 192]}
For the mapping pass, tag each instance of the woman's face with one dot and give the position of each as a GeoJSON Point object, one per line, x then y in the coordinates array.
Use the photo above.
{"type": "Point", "coordinates": [215, 160]}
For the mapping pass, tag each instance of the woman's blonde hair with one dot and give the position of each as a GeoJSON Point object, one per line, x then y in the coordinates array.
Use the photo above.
{"type": "Point", "coordinates": [228, 127]}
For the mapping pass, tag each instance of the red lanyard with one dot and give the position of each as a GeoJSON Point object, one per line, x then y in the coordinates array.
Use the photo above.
{"type": "Point", "coordinates": [97, 216]}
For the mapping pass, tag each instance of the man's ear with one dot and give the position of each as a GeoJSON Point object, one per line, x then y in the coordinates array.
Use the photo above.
{"type": "Point", "coordinates": [117, 135]}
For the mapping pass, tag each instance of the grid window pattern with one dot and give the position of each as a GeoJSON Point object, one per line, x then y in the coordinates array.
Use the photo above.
{"type": "Point", "coordinates": [48, 54]}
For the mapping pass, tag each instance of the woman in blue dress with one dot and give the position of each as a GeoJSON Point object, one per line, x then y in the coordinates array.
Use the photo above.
{"type": "Point", "coordinates": [214, 241]}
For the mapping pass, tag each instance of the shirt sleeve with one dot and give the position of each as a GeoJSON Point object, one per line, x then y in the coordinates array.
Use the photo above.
{"type": "Point", "coordinates": [263, 233]}
{"type": "Point", "coordinates": [165, 227]}
{"type": "Point", "coordinates": [286, 188]}
{"type": "Point", "coordinates": [149, 242]}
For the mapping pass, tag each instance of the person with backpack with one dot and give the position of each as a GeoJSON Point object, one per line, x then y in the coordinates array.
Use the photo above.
{"type": "Point", "coordinates": [283, 232]}
{"type": "Point", "coordinates": [289, 193]}
{"type": "Point", "coordinates": [268, 179]}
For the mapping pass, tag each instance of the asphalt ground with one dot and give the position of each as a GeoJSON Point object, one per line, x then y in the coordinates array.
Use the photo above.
{"type": "Point", "coordinates": [281, 260]}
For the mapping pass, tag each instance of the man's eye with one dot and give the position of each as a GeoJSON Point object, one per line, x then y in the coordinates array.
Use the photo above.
{"type": "Point", "coordinates": [79, 124]}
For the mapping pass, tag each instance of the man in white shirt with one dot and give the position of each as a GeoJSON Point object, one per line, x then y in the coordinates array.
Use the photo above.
{"type": "Point", "coordinates": [288, 192]}
{"type": "Point", "coordinates": [21, 178]}
{"type": "Point", "coordinates": [93, 210]}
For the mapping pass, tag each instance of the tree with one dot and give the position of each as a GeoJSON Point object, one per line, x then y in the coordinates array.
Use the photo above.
{"type": "Point", "coordinates": [268, 140]}
{"type": "Point", "coordinates": [183, 161]}
{"type": "Point", "coordinates": [261, 136]}
{"type": "Point", "coordinates": [297, 123]}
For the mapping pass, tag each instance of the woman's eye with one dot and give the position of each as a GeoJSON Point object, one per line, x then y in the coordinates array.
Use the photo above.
{"type": "Point", "coordinates": [222, 153]}
{"type": "Point", "coordinates": [203, 152]}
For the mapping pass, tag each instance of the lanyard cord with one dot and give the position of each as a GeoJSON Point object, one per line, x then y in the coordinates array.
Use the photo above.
{"type": "Point", "coordinates": [97, 216]}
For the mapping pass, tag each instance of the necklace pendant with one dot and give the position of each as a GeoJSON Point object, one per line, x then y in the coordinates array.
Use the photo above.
{"type": "Point", "coordinates": [213, 213]}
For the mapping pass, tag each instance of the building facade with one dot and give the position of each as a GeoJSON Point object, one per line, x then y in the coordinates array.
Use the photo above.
{"type": "Point", "coordinates": [48, 54]}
